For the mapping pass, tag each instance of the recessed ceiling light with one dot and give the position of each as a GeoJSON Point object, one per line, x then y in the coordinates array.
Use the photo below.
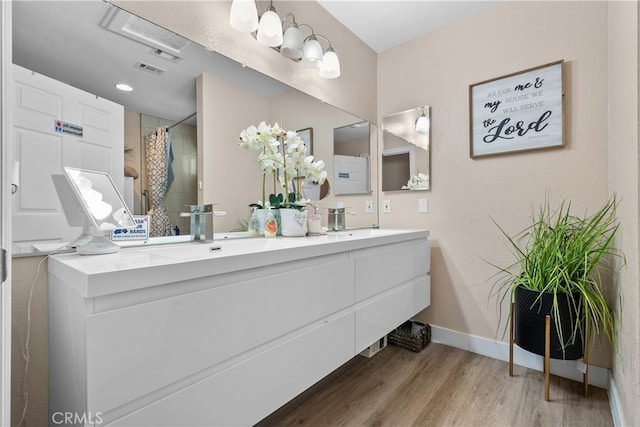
{"type": "Point", "coordinates": [124, 87]}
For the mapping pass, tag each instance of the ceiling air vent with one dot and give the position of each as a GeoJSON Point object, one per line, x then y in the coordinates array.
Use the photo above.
{"type": "Point", "coordinates": [150, 68]}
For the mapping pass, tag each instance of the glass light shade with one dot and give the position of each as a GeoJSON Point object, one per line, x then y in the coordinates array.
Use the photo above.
{"type": "Point", "coordinates": [312, 56]}
{"type": "Point", "coordinates": [292, 43]}
{"type": "Point", "coordinates": [270, 29]}
{"type": "Point", "coordinates": [244, 15]}
{"type": "Point", "coordinates": [330, 68]}
{"type": "Point", "coordinates": [422, 124]}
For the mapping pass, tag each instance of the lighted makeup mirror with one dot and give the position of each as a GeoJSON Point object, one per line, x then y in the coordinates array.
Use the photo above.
{"type": "Point", "coordinates": [90, 199]}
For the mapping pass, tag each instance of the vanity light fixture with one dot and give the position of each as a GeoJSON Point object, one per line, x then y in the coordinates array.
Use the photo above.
{"type": "Point", "coordinates": [123, 87]}
{"type": "Point", "coordinates": [244, 15]}
{"type": "Point", "coordinates": [312, 56]}
{"type": "Point", "coordinates": [268, 30]}
{"type": "Point", "coordinates": [292, 43]}
{"type": "Point", "coordinates": [422, 122]}
{"type": "Point", "coordinates": [330, 68]}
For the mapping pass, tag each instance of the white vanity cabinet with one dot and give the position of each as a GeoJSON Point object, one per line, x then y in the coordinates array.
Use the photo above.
{"type": "Point", "coordinates": [182, 335]}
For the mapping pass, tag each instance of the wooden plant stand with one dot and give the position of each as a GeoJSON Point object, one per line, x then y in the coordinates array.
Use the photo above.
{"type": "Point", "coordinates": [547, 352]}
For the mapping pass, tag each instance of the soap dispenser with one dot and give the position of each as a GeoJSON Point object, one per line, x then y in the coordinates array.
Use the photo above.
{"type": "Point", "coordinates": [254, 224]}
{"type": "Point", "coordinates": [314, 224]}
{"type": "Point", "coordinates": [270, 224]}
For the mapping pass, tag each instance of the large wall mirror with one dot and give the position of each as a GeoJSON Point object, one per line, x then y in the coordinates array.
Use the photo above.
{"type": "Point", "coordinates": [92, 45]}
{"type": "Point", "coordinates": [406, 154]}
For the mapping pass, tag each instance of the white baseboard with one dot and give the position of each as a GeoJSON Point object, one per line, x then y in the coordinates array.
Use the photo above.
{"type": "Point", "coordinates": [614, 403]}
{"type": "Point", "coordinates": [598, 376]}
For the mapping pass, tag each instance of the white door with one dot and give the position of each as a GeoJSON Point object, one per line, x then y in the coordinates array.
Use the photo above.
{"type": "Point", "coordinates": [5, 215]}
{"type": "Point", "coordinates": [351, 174]}
{"type": "Point", "coordinates": [57, 125]}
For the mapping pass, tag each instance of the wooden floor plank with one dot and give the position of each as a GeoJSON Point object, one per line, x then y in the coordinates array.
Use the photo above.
{"type": "Point", "coordinates": [441, 386]}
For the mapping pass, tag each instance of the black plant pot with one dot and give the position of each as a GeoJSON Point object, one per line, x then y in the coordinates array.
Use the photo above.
{"type": "Point", "coordinates": [530, 309]}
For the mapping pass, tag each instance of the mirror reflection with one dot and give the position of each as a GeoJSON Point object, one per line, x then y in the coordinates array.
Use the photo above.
{"type": "Point", "coordinates": [406, 154]}
{"type": "Point", "coordinates": [173, 78]}
{"type": "Point", "coordinates": [351, 154]}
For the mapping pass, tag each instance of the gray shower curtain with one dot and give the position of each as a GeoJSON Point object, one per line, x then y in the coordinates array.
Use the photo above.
{"type": "Point", "coordinates": [158, 156]}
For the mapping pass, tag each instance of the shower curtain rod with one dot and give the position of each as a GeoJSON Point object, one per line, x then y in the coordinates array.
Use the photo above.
{"type": "Point", "coordinates": [185, 119]}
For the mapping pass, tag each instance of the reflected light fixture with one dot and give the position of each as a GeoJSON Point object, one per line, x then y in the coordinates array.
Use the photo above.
{"type": "Point", "coordinates": [268, 30]}
{"type": "Point", "coordinates": [292, 41]}
{"type": "Point", "coordinates": [422, 122]}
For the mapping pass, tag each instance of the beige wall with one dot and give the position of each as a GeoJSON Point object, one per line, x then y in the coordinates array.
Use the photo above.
{"type": "Point", "coordinates": [623, 180]}
{"type": "Point", "coordinates": [467, 193]}
{"type": "Point", "coordinates": [353, 147]}
{"type": "Point", "coordinates": [225, 169]}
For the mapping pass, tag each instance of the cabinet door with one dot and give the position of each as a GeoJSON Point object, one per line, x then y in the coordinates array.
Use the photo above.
{"type": "Point", "coordinates": [136, 350]}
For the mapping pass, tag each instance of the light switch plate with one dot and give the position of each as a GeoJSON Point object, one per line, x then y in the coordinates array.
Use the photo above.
{"type": "Point", "coordinates": [422, 206]}
{"type": "Point", "coordinates": [369, 206]}
{"type": "Point", "coordinates": [386, 206]}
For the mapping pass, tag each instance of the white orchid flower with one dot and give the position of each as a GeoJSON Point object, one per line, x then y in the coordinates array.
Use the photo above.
{"type": "Point", "coordinates": [282, 152]}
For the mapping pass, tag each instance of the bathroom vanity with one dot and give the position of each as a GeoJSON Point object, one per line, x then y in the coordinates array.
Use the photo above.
{"type": "Point", "coordinates": [189, 335]}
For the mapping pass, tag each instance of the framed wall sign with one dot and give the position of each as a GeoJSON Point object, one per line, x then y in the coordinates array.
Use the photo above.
{"type": "Point", "coordinates": [522, 111]}
{"type": "Point", "coordinates": [306, 135]}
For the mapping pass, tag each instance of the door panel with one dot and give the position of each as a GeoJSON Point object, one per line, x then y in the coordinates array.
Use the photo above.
{"type": "Point", "coordinates": [33, 145]}
{"type": "Point", "coordinates": [43, 150]}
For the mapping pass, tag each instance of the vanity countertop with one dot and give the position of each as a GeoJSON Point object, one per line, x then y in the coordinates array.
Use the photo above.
{"type": "Point", "coordinates": [140, 267]}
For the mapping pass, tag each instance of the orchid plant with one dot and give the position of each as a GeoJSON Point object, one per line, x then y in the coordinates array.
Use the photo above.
{"type": "Point", "coordinates": [417, 182]}
{"type": "Point", "coordinates": [284, 156]}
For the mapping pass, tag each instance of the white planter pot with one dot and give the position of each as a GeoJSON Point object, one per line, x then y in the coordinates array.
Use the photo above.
{"type": "Point", "coordinates": [293, 222]}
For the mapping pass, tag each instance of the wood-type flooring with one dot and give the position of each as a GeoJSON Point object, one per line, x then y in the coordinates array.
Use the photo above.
{"type": "Point", "coordinates": [441, 386]}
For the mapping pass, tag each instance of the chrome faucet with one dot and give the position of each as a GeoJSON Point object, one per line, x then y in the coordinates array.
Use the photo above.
{"type": "Point", "coordinates": [201, 222]}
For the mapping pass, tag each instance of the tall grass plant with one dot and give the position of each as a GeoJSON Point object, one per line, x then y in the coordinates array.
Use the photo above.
{"type": "Point", "coordinates": [564, 253]}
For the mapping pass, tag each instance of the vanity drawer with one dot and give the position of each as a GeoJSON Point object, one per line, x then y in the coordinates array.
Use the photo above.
{"type": "Point", "coordinates": [389, 310]}
{"type": "Point", "coordinates": [246, 393]}
{"type": "Point", "coordinates": [135, 350]}
{"type": "Point", "coordinates": [385, 267]}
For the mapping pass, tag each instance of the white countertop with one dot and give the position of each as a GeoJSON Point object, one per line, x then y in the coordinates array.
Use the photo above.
{"type": "Point", "coordinates": [139, 267]}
